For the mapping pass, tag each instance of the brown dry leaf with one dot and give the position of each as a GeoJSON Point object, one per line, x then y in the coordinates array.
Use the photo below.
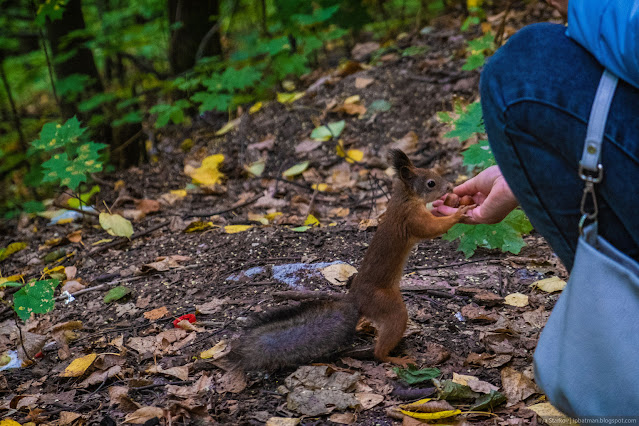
{"type": "Point", "coordinates": [516, 299]}
{"type": "Point", "coordinates": [212, 306]}
{"type": "Point", "coordinates": [339, 273]}
{"type": "Point", "coordinates": [217, 351]}
{"type": "Point", "coordinates": [181, 372]}
{"type": "Point", "coordinates": [118, 342]}
{"type": "Point", "coordinates": [307, 145]}
{"type": "Point", "coordinates": [347, 68]}
{"type": "Point", "coordinates": [265, 144]}
{"type": "Point", "coordinates": [75, 237]}
{"type": "Point", "coordinates": [363, 82]}
{"type": "Point", "coordinates": [147, 206]}
{"type": "Point", "coordinates": [477, 313]}
{"type": "Point", "coordinates": [68, 417]}
{"type": "Point", "coordinates": [343, 418]}
{"type": "Point", "coordinates": [156, 314]}
{"type": "Point", "coordinates": [517, 386]}
{"type": "Point", "coordinates": [435, 354]}
{"type": "Point", "coordinates": [164, 263]}
{"type": "Point", "coordinates": [100, 376]}
{"type": "Point", "coordinates": [282, 421]}
{"type": "Point", "coordinates": [488, 360]}
{"type": "Point", "coordinates": [536, 318]}
{"type": "Point", "coordinates": [551, 415]}
{"type": "Point", "coordinates": [368, 223]}
{"type": "Point", "coordinates": [550, 285]}
{"type": "Point", "coordinates": [142, 345]}
{"type": "Point", "coordinates": [70, 272]}
{"type": "Point", "coordinates": [233, 381]}
{"type": "Point", "coordinates": [368, 400]}
{"type": "Point", "coordinates": [116, 393]}
{"type": "Point", "coordinates": [72, 286]}
{"type": "Point", "coordinates": [407, 143]}
{"type": "Point", "coordinates": [361, 51]}
{"type": "Point", "coordinates": [143, 415]}
{"type": "Point", "coordinates": [487, 298]}
{"type": "Point", "coordinates": [201, 387]}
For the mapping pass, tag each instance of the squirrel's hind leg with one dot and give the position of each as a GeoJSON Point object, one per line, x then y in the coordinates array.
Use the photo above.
{"type": "Point", "coordinates": [389, 333]}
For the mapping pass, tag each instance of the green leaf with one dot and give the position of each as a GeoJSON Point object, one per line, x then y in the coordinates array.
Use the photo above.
{"type": "Point", "coordinates": [328, 132]}
{"type": "Point", "coordinates": [131, 117]}
{"type": "Point", "coordinates": [506, 235]}
{"type": "Point", "coordinates": [488, 401]}
{"type": "Point", "coordinates": [52, 9]}
{"type": "Point", "coordinates": [233, 79]}
{"type": "Point", "coordinates": [54, 136]}
{"type": "Point", "coordinates": [415, 50]}
{"type": "Point", "coordinates": [72, 173]}
{"type": "Point", "coordinates": [168, 112]}
{"type": "Point", "coordinates": [35, 297]}
{"type": "Point", "coordinates": [380, 105]}
{"type": "Point", "coordinates": [469, 122]}
{"type": "Point", "coordinates": [95, 101]}
{"type": "Point", "coordinates": [296, 169]}
{"type": "Point", "coordinates": [85, 197]}
{"type": "Point", "coordinates": [116, 225]}
{"type": "Point", "coordinates": [116, 293]}
{"type": "Point", "coordinates": [478, 155]}
{"type": "Point", "coordinates": [212, 101]}
{"type": "Point", "coordinates": [451, 391]}
{"type": "Point", "coordinates": [412, 375]}
{"type": "Point", "coordinates": [71, 86]}
{"type": "Point", "coordinates": [474, 61]}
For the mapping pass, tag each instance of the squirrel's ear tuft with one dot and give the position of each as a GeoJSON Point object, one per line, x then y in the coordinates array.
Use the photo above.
{"type": "Point", "coordinates": [402, 164]}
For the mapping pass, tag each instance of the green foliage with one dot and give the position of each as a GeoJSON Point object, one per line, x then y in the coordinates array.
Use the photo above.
{"type": "Point", "coordinates": [72, 159]}
{"type": "Point", "coordinates": [166, 112]}
{"type": "Point", "coordinates": [478, 155]}
{"type": "Point", "coordinates": [505, 235]}
{"type": "Point", "coordinates": [412, 375]}
{"type": "Point", "coordinates": [478, 49]}
{"type": "Point", "coordinates": [34, 297]}
{"type": "Point", "coordinates": [52, 9]}
{"type": "Point", "coordinates": [468, 122]}
{"type": "Point", "coordinates": [116, 293]}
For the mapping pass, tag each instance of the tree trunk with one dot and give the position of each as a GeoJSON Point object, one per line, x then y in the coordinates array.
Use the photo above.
{"type": "Point", "coordinates": [80, 63]}
{"type": "Point", "coordinates": [194, 17]}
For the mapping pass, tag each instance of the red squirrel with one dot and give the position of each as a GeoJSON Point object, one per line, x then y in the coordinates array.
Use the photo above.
{"type": "Point", "coordinates": [318, 328]}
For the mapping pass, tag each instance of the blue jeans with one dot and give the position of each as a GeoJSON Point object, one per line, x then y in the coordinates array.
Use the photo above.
{"type": "Point", "coordinates": [536, 94]}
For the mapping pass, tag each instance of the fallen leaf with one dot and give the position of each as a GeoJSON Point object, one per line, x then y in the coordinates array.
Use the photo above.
{"type": "Point", "coordinates": [265, 144]}
{"type": "Point", "coordinates": [343, 418]}
{"type": "Point", "coordinates": [75, 236]}
{"type": "Point", "coordinates": [181, 372]}
{"type": "Point", "coordinates": [199, 226]}
{"type": "Point", "coordinates": [289, 98]}
{"type": "Point", "coordinates": [100, 376]}
{"type": "Point", "coordinates": [256, 168]}
{"type": "Point", "coordinates": [227, 127]}
{"type": "Point", "coordinates": [282, 421]}
{"type": "Point", "coordinates": [311, 221]}
{"type": "Point", "coordinates": [143, 415]}
{"type": "Point", "coordinates": [234, 229]}
{"type": "Point", "coordinates": [516, 385]}
{"type": "Point", "coordinates": [363, 82]}
{"type": "Point", "coordinates": [329, 131]}
{"type": "Point", "coordinates": [72, 287]}
{"type": "Point", "coordinates": [296, 169]}
{"type": "Point", "coordinates": [156, 314]}
{"type": "Point", "coordinates": [212, 306]}
{"type": "Point", "coordinates": [68, 417]}
{"type": "Point", "coordinates": [147, 206]}
{"type": "Point", "coordinates": [550, 285]}
{"type": "Point", "coordinates": [427, 409]}
{"type": "Point", "coordinates": [338, 273]}
{"type": "Point", "coordinates": [255, 107]}
{"type": "Point", "coordinates": [516, 299]}
{"type": "Point", "coordinates": [551, 415]}
{"type": "Point", "coordinates": [216, 351]}
{"type": "Point", "coordinates": [368, 400]}
{"type": "Point", "coordinates": [116, 225]}
{"type": "Point", "coordinates": [116, 393]}
{"type": "Point", "coordinates": [79, 366]}
{"type": "Point", "coordinates": [116, 293]}
{"type": "Point", "coordinates": [307, 145]}
{"type": "Point", "coordinates": [208, 173]}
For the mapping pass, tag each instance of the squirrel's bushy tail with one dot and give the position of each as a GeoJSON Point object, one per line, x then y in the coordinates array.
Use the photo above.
{"type": "Point", "coordinates": [295, 335]}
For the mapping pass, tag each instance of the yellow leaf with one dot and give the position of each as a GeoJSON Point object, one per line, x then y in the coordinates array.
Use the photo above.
{"type": "Point", "coordinates": [473, 3]}
{"type": "Point", "coordinates": [547, 411]}
{"type": "Point", "coordinates": [215, 352]}
{"type": "Point", "coordinates": [227, 127]}
{"type": "Point", "coordinates": [208, 173]}
{"type": "Point", "coordinates": [179, 192]}
{"type": "Point", "coordinates": [516, 299]}
{"type": "Point", "coordinates": [234, 229]}
{"type": "Point", "coordinates": [354, 156]}
{"type": "Point", "coordinates": [258, 218]}
{"type": "Point", "coordinates": [321, 187]}
{"type": "Point", "coordinates": [351, 100]}
{"type": "Point", "coordinates": [116, 225]}
{"type": "Point", "coordinates": [256, 107]}
{"type": "Point", "coordinates": [273, 215]}
{"type": "Point", "coordinates": [79, 366]}
{"type": "Point", "coordinates": [9, 422]}
{"type": "Point", "coordinates": [12, 278]}
{"type": "Point", "coordinates": [431, 416]}
{"type": "Point", "coordinates": [311, 221]}
{"type": "Point", "coordinates": [102, 241]}
{"type": "Point", "coordinates": [288, 98]}
{"type": "Point", "coordinates": [550, 285]}
{"type": "Point", "coordinates": [199, 226]}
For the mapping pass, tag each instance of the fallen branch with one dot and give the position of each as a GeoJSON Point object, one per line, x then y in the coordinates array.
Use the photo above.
{"type": "Point", "coordinates": [230, 209]}
{"type": "Point", "coordinates": [123, 240]}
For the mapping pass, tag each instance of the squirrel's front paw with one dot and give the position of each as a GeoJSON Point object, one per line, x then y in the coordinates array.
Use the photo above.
{"type": "Point", "coordinates": [461, 211]}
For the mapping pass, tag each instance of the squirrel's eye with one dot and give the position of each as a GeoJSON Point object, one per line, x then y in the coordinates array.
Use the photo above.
{"type": "Point", "coordinates": [430, 183]}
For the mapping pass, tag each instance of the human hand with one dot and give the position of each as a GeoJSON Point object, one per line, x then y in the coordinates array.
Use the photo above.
{"type": "Point", "coordinates": [560, 5]}
{"type": "Point", "coordinates": [491, 194]}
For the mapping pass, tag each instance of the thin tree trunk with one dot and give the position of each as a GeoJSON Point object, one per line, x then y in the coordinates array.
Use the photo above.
{"type": "Point", "coordinates": [14, 109]}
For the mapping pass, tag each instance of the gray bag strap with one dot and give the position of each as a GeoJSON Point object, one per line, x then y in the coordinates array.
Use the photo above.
{"type": "Point", "coordinates": [590, 169]}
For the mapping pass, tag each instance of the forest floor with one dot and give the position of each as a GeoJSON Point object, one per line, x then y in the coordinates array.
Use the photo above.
{"type": "Point", "coordinates": [140, 366]}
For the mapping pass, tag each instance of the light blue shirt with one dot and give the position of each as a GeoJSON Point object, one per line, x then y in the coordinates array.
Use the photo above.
{"type": "Point", "coordinates": [609, 30]}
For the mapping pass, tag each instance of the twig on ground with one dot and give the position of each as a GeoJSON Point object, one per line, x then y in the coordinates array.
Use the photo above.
{"type": "Point", "coordinates": [230, 209]}
{"type": "Point", "coordinates": [123, 240]}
